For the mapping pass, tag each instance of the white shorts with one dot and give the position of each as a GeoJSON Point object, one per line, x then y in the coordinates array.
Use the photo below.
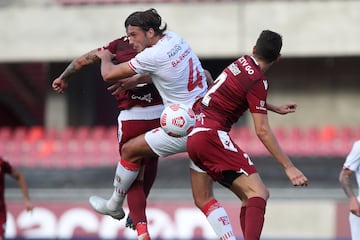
{"type": "Point", "coordinates": [195, 168]}
{"type": "Point", "coordinates": [354, 226]}
{"type": "Point", "coordinates": [164, 145]}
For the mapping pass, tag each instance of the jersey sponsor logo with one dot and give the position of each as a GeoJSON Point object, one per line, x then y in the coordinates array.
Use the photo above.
{"type": "Point", "coordinates": [174, 51]}
{"type": "Point", "coordinates": [245, 64]}
{"type": "Point", "coordinates": [234, 69]}
{"type": "Point", "coordinates": [181, 58]}
{"type": "Point", "coordinates": [146, 97]}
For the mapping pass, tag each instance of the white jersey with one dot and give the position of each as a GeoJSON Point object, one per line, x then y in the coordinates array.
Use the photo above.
{"type": "Point", "coordinates": [352, 162]}
{"type": "Point", "coordinates": [175, 69]}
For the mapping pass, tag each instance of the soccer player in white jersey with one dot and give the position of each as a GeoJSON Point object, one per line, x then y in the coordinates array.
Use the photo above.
{"type": "Point", "coordinates": [352, 165]}
{"type": "Point", "coordinates": [179, 77]}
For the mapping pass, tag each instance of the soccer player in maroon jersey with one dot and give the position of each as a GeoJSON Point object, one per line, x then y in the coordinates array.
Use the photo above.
{"type": "Point", "coordinates": [241, 86]}
{"type": "Point", "coordinates": [7, 168]}
{"type": "Point", "coordinates": [140, 108]}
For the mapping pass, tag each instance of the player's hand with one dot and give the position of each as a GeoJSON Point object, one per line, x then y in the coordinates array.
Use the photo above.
{"type": "Point", "coordinates": [29, 206]}
{"type": "Point", "coordinates": [124, 84]}
{"type": "Point", "coordinates": [354, 206]}
{"type": "Point", "coordinates": [287, 108]}
{"type": "Point", "coordinates": [59, 85]}
{"type": "Point", "coordinates": [130, 82]}
{"type": "Point", "coordinates": [296, 177]}
{"type": "Point", "coordinates": [104, 54]}
{"type": "Point", "coordinates": [115, 88]}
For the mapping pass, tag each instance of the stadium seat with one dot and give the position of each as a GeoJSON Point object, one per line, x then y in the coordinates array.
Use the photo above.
{"type": "Point", "coordinates": [98, 132]}
{"type": "Point", "coordinates": [82, 133]}
{"type": "Point", "coordinates": [67, 133]}
{"type": "Point", "coordinates": [5, 133]}
{"type": "Point", "coordinates": [35, 133]}
{"type": "Point", "coordinates": [20, 133]}
{"type": "Point", "coordinates": [94, 147]}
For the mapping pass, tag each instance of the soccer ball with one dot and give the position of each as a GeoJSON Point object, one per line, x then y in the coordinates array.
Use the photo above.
{"type": "Point", "coordinates": [177, 120]}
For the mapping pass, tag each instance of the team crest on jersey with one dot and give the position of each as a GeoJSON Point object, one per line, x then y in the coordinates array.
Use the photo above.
{"type": "Point", "coordinates": [262, 105]}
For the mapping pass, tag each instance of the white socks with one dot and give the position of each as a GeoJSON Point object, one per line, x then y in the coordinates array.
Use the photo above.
{"type": "Point", "coordinates": [125, 175]}
{"type": "Point", "coordinates": [219, 220]}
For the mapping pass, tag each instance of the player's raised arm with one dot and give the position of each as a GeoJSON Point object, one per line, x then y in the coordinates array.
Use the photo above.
{"type": "Point", "coordinates": [61, 83]}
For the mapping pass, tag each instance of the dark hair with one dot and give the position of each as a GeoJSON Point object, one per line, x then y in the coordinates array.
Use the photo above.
{"type": "Point", "coordinates": [146, 20]}
{"type": "Point", "coordinates": [268, 45]}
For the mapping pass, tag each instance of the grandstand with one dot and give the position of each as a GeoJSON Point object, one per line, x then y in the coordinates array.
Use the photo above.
{"type": "Point", "coordinates": [70, 139]}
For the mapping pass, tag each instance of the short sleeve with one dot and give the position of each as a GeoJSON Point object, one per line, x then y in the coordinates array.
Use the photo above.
{"type": "Point", "coordinates": [6, 166]}
{"type": "Point", "coordinates": [352, 161]}
{"type": "Point", "coordinates": [256, 97]}
{"type": "Point", "coordinates": [145, 61]}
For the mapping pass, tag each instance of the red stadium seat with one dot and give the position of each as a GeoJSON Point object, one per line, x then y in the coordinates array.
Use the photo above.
{"type": "Point", "coordinates": [82, 133]}
{"type": "Point", "coordinates": [5, 133]}
{"type": "Point", "coordinates": [98, 132]}
{"type": "Point", "coordinates": [20, 133]}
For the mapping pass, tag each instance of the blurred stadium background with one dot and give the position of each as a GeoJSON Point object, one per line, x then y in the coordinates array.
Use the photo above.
{"type": "Point", "coordinates": [66, 144]}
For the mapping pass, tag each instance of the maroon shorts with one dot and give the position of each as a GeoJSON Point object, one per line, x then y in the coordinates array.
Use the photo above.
{"type": "Point", "coordinates": [2, 222]}
{"type": "Point", "coordinates": [216, 153]}
{"type": "Point", "coordinates": [133, 128]}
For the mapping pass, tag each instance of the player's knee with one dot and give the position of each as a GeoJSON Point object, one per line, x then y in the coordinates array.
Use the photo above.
{"type": "Point", "coordinates": [198, 203]}
{"type": "Point", "coordinates": [200, 200]}
{"type": "Point", "coordinates": [130, 153]}
{"type": "Point", "coordinates": [266, 194]}
{"type": "Point", "coordinates": [135, 149]}
{"type": "Point", "coordinates": [262, 192]}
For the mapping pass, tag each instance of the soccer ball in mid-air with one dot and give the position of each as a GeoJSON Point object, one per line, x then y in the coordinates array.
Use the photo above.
{"type": "Point", "coordinates": [177, 120]}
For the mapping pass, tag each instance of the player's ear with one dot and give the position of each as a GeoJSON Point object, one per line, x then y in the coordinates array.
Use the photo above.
{"type": "Point", "coordinates": [254, 50]}
{"type": "Point", "coordinates": [278, 58]}
{"type": "Point", "coordinates": [150, 33]}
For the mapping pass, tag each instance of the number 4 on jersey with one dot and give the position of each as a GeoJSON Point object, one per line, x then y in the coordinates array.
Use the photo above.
{"type": "Point", "coordinates": [192, 83]}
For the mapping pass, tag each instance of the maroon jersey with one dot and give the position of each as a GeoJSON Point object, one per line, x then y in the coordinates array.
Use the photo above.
{"type": "Point", "coordinates": [5, 168]}
{"type": "Point", "coordinates": [144, 96]}
{"type": "Point", "coordinates": [241, 86]}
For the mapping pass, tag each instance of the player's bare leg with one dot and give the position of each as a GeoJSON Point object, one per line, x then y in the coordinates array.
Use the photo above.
{"type": "Point", "coordinates": [254, 195]}
{"type": "Point", "coordinates": [202, 189]}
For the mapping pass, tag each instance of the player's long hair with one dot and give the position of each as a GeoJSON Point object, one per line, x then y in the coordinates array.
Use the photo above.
{"type": "Point", "coordinates": [268, 46]}
{"type": "Point", "coordinates": [146, 20]}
